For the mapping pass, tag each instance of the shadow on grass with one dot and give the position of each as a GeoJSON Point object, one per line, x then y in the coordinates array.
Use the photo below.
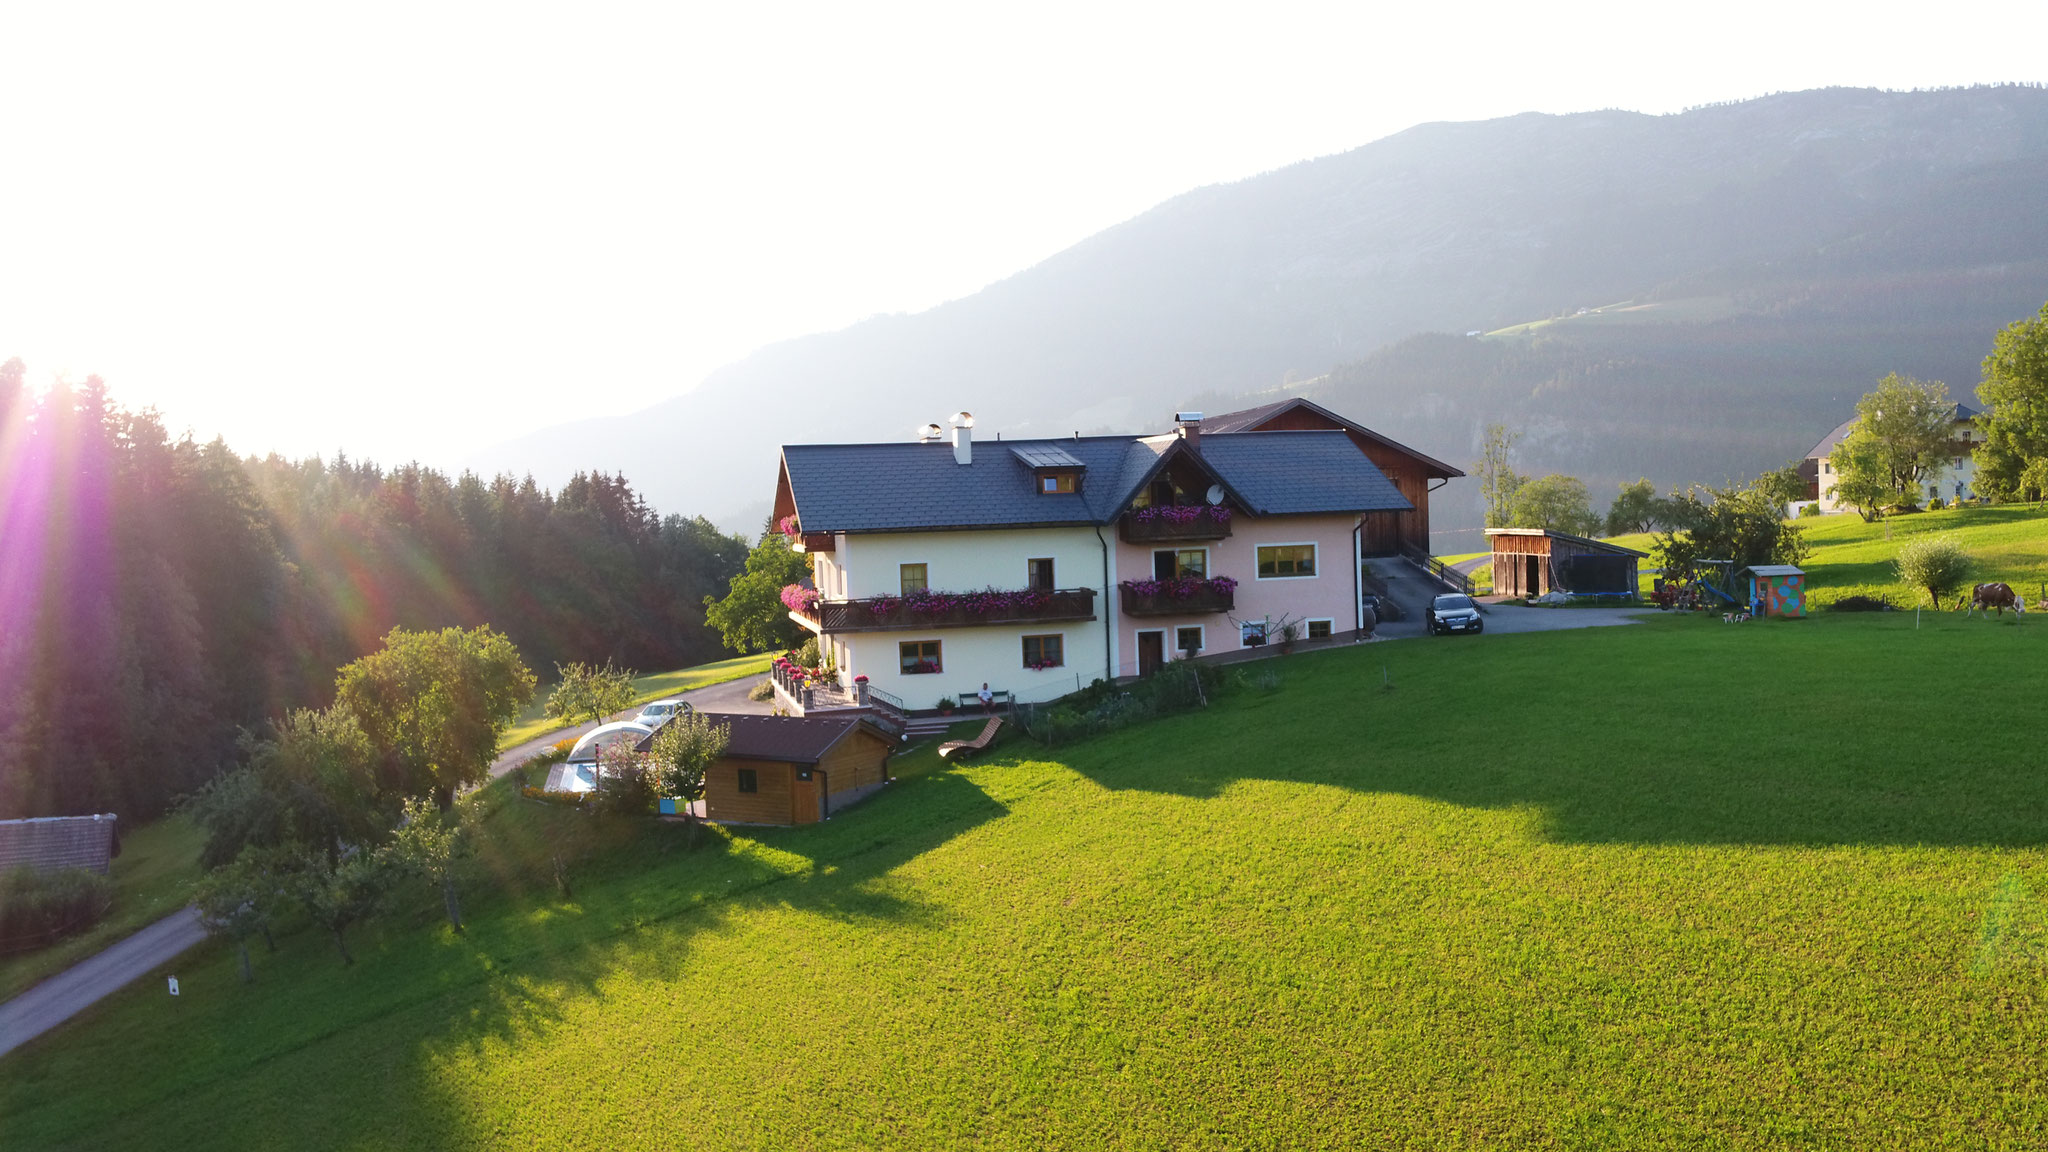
{"type": "Point", "coordinates": [1858, 730]}
{"type": "Point", "coordinates": [185, 1074]}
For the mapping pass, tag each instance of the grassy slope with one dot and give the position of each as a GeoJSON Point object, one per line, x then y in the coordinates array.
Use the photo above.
{"type": "Point", "coordinates": [535, 721]}
{"type": "Point", "coordinates": [2010, 542]}
{"type": "Point", "coordinates": [1680, 897]}
{"type": "Point", "coordinates": [158, 862]}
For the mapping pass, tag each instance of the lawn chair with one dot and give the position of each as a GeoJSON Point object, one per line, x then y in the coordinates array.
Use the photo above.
{"type": "Point", "coordinates": [987, 737]}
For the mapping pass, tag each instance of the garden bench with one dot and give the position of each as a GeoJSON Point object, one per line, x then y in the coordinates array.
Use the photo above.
{"type": "Point", "coordinates": [971, 699]}
{"type": "Point", "coordinates": [988, 735]}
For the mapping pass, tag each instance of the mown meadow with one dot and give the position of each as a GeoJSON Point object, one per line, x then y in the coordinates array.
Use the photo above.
{"type": "Point", "coordinates": [1678, 885]}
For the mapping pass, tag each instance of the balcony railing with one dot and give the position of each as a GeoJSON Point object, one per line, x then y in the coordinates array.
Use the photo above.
{"type": "Point", "coordinates": [1163, 524]}
{"type": "Point", "coordinates": [1187, 596]}
{"type": "Point", "coordinates": [949, 610]}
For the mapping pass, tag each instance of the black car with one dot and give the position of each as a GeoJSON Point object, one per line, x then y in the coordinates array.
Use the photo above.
{"type": "Point", "coordinates": [1454, 612]}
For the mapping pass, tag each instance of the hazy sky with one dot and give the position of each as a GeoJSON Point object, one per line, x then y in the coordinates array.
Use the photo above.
{"type": "Point", "coordinates": [414, 230]}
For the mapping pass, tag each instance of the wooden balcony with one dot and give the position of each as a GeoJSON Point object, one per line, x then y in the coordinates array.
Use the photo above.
{"type": "Point", "coordinates": [952, 610]}
{"type": "Point", "coordinates": [1206, 525]}
{"type": "Point", "coordinates": [1202, 601]}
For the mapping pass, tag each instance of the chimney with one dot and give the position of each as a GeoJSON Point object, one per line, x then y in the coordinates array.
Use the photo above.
{"type": "Point", "coordinates": [1190, 427]}
{"type": "Point", "coordinates": [963, 437]}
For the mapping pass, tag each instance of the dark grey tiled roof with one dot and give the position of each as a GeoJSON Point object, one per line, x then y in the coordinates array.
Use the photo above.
{"type": "Point", "coordinates": [1828, 442]}
{"type": "Point", "coordinates": [797, 739]}
{"type": "Point", "coordinates": [1250, 419]}
{"type": "Point", "coordinates": [907, 486]}
{"type": "Point", "coordinates": [47, 843]}
{"type": "Point", "coordinates": [1283, 473]}
{"type": "Point", "coordinates": [911, 486]}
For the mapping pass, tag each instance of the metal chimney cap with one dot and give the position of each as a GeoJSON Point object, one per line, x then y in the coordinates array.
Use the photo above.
{"type": "Point", "coordinates": [963, 419]}
{"type": "Point", "coordinates": [1187, 417]}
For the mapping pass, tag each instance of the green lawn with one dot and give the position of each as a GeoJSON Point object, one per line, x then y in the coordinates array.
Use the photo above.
{"type": "Point", "coordinates": [1672, 885]}
{"type": "Point", "coordinates": [535, 722]}
{"type": "Point", "coordinates": [2010, 542]}
{"type": "Point", "coordinates": [157, 864]}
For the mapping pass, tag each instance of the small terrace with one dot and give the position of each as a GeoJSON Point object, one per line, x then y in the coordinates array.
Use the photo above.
{"type": "Point", "coordinates": [1167, 523]}
{"type": "Point", "coordinates": [1181, 596]}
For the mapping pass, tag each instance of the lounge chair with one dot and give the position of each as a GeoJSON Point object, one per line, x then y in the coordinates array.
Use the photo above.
{"type": "Point", "coordinates": [987, 737]}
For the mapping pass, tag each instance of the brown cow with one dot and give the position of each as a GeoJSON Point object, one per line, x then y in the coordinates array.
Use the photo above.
{"type": "Point", "coordinates": [1997, 597]}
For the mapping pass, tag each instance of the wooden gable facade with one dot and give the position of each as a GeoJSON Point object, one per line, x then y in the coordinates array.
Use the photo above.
{"type": "Point", "coordinates": [1412, 473]}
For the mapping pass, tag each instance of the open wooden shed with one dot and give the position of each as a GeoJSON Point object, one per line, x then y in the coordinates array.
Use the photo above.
{"type": "Point", "coordinates": [1777, 589]}
{"type": "Point", "coordinates": [794, 769]}
{"type": "Point", "coordinates": [1531, 562]}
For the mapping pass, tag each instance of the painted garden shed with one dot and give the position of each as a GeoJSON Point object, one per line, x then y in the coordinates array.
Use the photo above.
{"type": "Point", "coordinates": [794, 769]}
{"type": "Point", "coordinates": [1534, 561]}
{"type": "Point", "coordinates": [1779, 589]}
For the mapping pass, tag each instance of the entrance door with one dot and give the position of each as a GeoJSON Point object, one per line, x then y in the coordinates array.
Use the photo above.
{"type": "Point", "coordinates": [1151, 652]}
{"type": "Point", "coordinates": [806, 798]}
{"type": "Point", "coordinates": [1532, 572]}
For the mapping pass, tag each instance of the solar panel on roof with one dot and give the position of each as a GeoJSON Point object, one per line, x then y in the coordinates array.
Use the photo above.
{"type": "Point", "coordinates": [1046, 456]}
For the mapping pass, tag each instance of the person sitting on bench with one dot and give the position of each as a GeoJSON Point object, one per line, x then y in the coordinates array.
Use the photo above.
{"type": "Point", "coordinates": [988, 698]}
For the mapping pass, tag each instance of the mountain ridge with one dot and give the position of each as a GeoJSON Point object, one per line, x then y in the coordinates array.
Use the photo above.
{"type": "Point", "coordinates": [1860, 221]}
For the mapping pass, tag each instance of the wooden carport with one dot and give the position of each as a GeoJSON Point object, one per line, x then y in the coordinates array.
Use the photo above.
{"type": "Point", "coordinates": [1530, 562]}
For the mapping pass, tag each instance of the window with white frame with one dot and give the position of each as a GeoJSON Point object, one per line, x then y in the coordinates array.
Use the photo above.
{"type": "Point", "coordinates": [1251, 633]}
{"type": "Point", "coordinates": [1286, 561]}
{"type": "Point", "coordinates": [1320, 629]}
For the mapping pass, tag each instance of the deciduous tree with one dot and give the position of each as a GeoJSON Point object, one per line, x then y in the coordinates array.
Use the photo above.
{"type": "Point", "coordinates": [752, 617]}
{"type": "Point", "coordinates": [237, 901]}
{"type": "Point", "coordinates": [684, 750]}
{"type": "Point", "coordinates": [586, 693]}
{"type": "Point", "coordinates": [1936, 564]}
{"type": "Point", "coordinates": [1498, 480]}
{"type": "Point", "coordinates": [1635, 509]}
{"type": "Point", "coordinates": [429, 844]}
{"type": "Point", "coordinates": [2014, 393]}
{"type": "Point", "coordinates": [1912, 423]}
{"type": "Point", "coordinates": [433, 705]}
{"type": "Point", "coordinates": [1861, 479]}
{"type": "Point", "coordinates": [1559, 503]}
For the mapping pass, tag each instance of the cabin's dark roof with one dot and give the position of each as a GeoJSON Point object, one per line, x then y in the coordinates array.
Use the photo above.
{"type": "Point", "coordinates": [911, 486]}
{"type": "Point", "coordinates": [1252, 419]}
{"type": "Point", "coordinates": [796, 739]}
{"type": "Point", "coordinates": [48, 843]}
{"type": "Point", "coordinates": [1040, 455]}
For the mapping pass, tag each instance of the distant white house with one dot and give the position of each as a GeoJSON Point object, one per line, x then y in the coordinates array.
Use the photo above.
{"type": "Point", "coordinates": [1956, 481]}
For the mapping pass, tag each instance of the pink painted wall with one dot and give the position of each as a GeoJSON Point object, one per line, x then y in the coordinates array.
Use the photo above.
{"type": "Point", "coordinates": [1331, 594]}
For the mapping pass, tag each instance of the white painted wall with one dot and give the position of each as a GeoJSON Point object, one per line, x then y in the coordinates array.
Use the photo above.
{"type": "Point", "coordinates": [973, 655]}
{"type": "Point", "coordinates": [869, 565]}
{"type": "Point", "coordinates": [969, 561]}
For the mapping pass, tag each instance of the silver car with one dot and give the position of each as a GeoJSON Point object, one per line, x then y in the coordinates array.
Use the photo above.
{"type": "Point", "coordinates": [659, 712]}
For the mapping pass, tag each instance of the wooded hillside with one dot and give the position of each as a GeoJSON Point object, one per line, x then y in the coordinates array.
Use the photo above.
{"type": "Point", "coordinates": [158, 594]}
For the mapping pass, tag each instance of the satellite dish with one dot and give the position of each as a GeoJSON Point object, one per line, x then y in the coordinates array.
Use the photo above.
{"type": "Point", "coordinates": [1215, 493]}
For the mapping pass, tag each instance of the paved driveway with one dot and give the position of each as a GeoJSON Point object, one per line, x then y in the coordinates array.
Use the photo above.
{"type": "Point", "coordinates": [75, 989]}
{"type": "Point", "coordinates": [730, 696]}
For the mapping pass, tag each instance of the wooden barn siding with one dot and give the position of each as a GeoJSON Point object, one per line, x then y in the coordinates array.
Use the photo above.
{"type": "Point", "coordinates": [1508, 564]}
{"type": "Point", "coordinates": [859, 761]}
{"type": "Point", "coordinates": [773, 804]}
{"type": "Point", "coordinates": [1404, 470]}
